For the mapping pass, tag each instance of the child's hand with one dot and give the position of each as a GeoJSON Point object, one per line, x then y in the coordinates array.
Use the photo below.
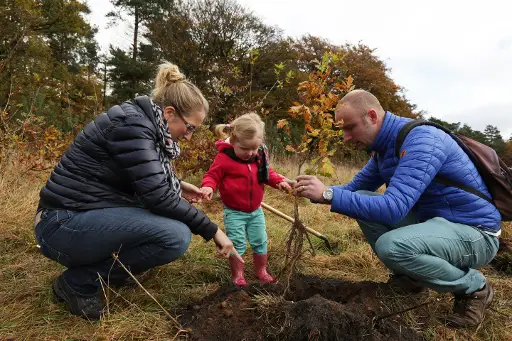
{"type": "Point", "coordinates": [284, 186]}
{"type": "Point", "coordinates": [207, 192]}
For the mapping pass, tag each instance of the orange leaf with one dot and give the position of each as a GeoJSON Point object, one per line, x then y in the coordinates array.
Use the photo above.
{"type": "Point", "coordinates": [282, 123]}
{"type": "Point", "coordinates": [307, 115]}
{"type": "Point", "coordinates": [295, 109]}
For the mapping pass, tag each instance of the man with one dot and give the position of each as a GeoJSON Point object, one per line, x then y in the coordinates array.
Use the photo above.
{"type": "Point", "coordinates": [426, 233]}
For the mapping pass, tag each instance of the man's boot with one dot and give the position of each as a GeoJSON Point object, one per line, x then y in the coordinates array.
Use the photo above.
{"type": "Point", "coordinates": [88, 307]}
{"type": "Point", "coordinates": [405, 284]}
{"type": "Point", "coordinates": [237, 272]}
{"type": "Point", "coordinates": [260, 267]}
{"type": "Point", "coordinates": [468, 310]}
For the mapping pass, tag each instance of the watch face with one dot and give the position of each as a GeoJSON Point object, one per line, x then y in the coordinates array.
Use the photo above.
{"type": "Point", "coordinates": [328, 194]}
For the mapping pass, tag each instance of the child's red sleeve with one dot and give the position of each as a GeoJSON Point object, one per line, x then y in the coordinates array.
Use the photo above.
{"type": "Point", "coordinates": [215, 174]}
{"type": "Point", "coordinates": [274, 178]}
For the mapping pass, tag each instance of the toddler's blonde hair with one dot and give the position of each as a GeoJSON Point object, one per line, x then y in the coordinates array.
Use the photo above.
{"type": "Point", "coordinates": [245, 127]}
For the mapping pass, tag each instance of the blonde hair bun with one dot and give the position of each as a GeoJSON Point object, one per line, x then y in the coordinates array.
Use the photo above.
{"type": "Point", "coordinates": [168, 73]}
{"type": "Point", "coordinates": [172, 88]}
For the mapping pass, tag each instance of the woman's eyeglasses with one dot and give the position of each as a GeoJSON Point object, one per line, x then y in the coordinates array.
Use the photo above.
{"type": "Point", "coordinates": [190, 128]}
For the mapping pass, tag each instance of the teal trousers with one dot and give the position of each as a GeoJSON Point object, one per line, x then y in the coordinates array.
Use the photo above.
{"type": "Point", "coordinates": [440, 254]}
{"type": "Point", "coordinates": [240, 224]}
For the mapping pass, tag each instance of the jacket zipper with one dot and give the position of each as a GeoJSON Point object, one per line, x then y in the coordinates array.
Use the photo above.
{"type": "Point", "coordinates": [250, 187]}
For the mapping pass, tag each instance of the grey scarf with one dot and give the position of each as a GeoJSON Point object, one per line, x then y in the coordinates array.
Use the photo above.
{"type": "Point", "coordinates": [167, 149]}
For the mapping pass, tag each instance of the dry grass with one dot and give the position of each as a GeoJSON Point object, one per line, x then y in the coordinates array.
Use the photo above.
{"type": "Point", "coordinates": [27, 312]}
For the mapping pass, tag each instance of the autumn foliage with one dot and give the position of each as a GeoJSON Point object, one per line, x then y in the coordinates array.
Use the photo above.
{"type": "Point", "coordinates": [54, 80]}
{"type": "Point", "coordinates": [314, 114]}
{"type": "Point", "coordinates": [34, 146]}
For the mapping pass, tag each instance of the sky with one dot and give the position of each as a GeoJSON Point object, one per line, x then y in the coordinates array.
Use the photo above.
{"type": "Point", "coordinates": [453, 57]}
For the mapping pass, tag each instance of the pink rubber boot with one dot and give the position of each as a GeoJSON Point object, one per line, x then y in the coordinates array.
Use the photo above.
{"type": "Point", "coordinates": [260, 266]}
{"type": "Point", "coordinates": [237, 272]}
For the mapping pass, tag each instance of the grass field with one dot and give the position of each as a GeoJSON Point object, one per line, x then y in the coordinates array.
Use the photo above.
{"type": "Point", "coordinates": [28, 313]}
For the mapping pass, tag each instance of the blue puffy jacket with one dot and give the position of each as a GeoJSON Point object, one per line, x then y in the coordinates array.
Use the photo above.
{"type": "Point", "coordinates": [426, 152]}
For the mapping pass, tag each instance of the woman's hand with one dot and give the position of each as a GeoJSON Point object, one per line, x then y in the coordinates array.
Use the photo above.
{"type": "Point", "coordinates": [191, 193]}
{"type": "Point", "coordinates": [224, 246]}
{"type": "Point", "coordinates": [207, 192]}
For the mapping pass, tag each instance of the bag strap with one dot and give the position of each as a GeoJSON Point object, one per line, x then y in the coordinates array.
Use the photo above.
{"type": "Point", "coordinates": [406, 129]}
{"type": "Point", "coordinates": [452, 183]}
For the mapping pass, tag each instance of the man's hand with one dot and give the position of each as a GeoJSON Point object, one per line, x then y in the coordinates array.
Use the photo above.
{"type": "Point", "coordinates": [224, 246]}
{"type": "Point", "coordinates": [191, 193]}
{"type": "Point", "coordinates": [309, 186]}
{"type": "Point", "coordinates": [207, 192]}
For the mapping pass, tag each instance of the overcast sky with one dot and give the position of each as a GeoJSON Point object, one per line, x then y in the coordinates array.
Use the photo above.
{"type": "Point", "coordinates": [454, 57]}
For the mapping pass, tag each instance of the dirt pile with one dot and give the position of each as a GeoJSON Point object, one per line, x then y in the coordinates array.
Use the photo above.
{"type": "Point", "coordinates": [315, 309]}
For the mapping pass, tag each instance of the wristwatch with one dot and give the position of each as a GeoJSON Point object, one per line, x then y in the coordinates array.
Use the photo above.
{"type": "Point", "coordinates": [328, 194]}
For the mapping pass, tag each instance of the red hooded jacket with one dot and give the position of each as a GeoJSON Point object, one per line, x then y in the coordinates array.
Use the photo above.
{"type": "Point", "coordinates": [237, 182]}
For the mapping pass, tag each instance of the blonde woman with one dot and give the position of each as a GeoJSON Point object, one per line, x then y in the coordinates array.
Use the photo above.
{"type": "Point", "coordinates": [115, 191]}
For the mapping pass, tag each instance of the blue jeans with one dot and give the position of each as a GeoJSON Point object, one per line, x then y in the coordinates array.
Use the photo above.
{"type": "Point", "coordinates": [440, 254]}
{"type": "Point", "coordinates": [84, 241]}
{"type": "Point", "coordinates": [239, 223]}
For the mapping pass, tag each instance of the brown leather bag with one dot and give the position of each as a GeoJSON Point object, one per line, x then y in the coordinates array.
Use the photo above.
{"type": "Point", "coordinates": [495, 173]}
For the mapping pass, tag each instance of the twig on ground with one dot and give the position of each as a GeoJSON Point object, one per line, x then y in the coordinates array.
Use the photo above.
{"type": "Point", "coordinates": [105, 294]}
{"type": "Point", "coordinates": [174, 320]}
{"type": "Point", "coordinates": [500, 313]}
{"type": "Point", "coordinates": [380, 318]}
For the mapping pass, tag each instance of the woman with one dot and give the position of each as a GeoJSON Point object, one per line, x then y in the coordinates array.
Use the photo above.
{"type": "Point", "coordinates": [114, 191]}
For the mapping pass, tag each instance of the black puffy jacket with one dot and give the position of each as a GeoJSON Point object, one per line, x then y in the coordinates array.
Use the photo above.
{"type": "Point", "coordinates": [113, 162]}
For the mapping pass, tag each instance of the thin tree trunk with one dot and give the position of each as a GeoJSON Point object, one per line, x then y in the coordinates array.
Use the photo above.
{"type": "Point", "coordinates": [104, 83]}
{"type": "Point", "coordinates": [135, 34]}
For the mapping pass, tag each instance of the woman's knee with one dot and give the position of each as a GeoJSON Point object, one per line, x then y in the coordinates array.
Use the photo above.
{"type": "Point", "coordinates": [176, 240]}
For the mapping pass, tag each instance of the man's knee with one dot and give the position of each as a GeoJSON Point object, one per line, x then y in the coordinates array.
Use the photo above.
{"type": "Point", "coordinates": [392, 250]}
{"type": "Point", "coordinates": [383, 248]}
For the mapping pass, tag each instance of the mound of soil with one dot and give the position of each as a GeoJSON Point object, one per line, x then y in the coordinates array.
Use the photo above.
{"type": "Point", "coordinates": [315, 309]}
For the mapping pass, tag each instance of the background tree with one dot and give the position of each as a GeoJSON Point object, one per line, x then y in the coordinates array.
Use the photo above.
{"type": "Point", "coordinates": [466, 130]}
{"type": "Point", "coordinates": [494, 139]}
{"type": "Point", "coordinates": [217, 43]}
{"type": "Point", "coordinates": [367, 70]}
{"type": "Point", "coordinates": [130, 75]}
{"type": "Point", "coordinates": [47, 62]}
{"type": "Point", "coordinates": [454, 127]}
{"type": "Point", "coordinates": [140, 12]}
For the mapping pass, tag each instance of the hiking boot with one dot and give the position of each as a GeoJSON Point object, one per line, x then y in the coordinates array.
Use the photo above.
{"type": "Point", "coordinates": [404, 284]}
{"type": "Point", "coordinates": [469, 310]}
{"type": "Point", "coordinates": [89, 307]}
{"type": "Point", "coordinates": [121, 283]}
